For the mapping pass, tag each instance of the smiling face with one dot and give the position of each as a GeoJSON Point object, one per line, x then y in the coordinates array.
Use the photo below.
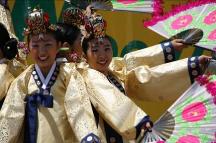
{"type": "Point", "coordinates": [99, 54]}
{"type": "Point", "coordinates": [44, 50]}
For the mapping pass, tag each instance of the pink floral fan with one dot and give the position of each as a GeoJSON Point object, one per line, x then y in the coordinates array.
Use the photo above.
{"type": "Point", "coordinates": [191, 119]}
{"type": "Point", "coordinates": [200, 16]}
{"type": "Point", "coordinates": [149, 6]}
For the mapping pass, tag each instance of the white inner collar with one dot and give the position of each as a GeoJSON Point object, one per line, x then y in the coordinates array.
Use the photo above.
{"type": "Point", "coordinates": [43, 80]}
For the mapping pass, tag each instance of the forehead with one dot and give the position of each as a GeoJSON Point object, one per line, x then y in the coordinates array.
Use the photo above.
{"type": "Point", "coordinates": [42, 38]}
{"type": "Point", "coordinates": [102, 41]}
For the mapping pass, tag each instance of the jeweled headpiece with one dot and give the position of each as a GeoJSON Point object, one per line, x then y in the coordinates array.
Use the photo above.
{"type": "Point", "coordinates": [95, 25]}
{"type": "Point", "coordinates": [73, 16]}
{"type": "Point", "coordinates": [38, 23]}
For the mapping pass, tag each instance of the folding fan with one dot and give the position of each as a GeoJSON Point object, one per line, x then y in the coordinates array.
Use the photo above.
{"type": "Point", "coordinates": [191, 119]}
{"type": "Point", "coordinates": [122, 5]}
{"type": "Point", "coordinates": [196, 21]}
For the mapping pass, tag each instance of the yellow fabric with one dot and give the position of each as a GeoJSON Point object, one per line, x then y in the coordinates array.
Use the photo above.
{"type": "Point", "coordinates": [114, 107]}
{"type": "Point", "coordinates": [5, 79]}
{"type": "Point", "coordinates": [165, 82]}
{"type": "Point", "coordinates": [148, 81]}
{"type": "Point", "coordinates": [5, 18]}
{"type": "Point", "coordinates": [151, 56]}
{"type": "Point", "coordinates": [16, 67]}
{"type": "Point", "coordinates": [158, 86]}
{"type": "Point", "coordinates": [7, 74]}
{"type": "Point", "coordinates": [69, 120]}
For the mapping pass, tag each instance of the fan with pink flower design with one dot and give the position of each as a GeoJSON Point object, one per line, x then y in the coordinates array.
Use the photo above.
{"type": "Point", "coordinates": [191, 119]}
{"type": "Point", "coordinates": [148, 6]}
{"type": "Point", "coordinates": [194, 22]}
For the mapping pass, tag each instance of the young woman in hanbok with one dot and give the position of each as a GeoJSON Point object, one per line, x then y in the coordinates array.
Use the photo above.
{"type": "Point", "coordinates": [151, 80]}
{"type": "Point", "coordinates": [136, 75]}
{"type": "Point", "coordinates": [37, 108]}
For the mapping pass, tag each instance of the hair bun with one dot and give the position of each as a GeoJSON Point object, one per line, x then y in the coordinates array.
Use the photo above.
{"type": "Point", "coordinates": [10, 49]}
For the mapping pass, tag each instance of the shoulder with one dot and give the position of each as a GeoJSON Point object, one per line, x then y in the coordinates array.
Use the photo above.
{"type": "Point", "coordinates": [25, 75]}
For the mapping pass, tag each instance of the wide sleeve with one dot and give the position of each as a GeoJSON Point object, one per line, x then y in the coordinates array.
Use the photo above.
{"type": "Point", "coordinates": [79, 110]}
{"type": "Point", "coordinates": [113, 106]}
{"type": "Point", "coordinates": [16, 67]}
{"type": "Point", "coordinates": [5, 79]}
{"type": "Point", "coordinates": [151, 56]}
{"type": "Point", "coordinates": [13, 111]}
{"type": "Point", "coordinates": [165, 82]}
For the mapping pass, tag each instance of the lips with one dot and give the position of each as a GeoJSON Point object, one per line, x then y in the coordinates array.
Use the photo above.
{"type": "Point", "coordinates": [43, 58]}
{"type": "Point", "coordinates": [102, 62]}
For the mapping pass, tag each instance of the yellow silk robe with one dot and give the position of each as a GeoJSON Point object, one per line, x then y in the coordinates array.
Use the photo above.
{"type": "Point", "coordinates": [113, 106]}
{"type": "Point", "coordinates": [5, 18]}
{"type": "Point", "coordinates": [69, 121]}
{"type": "Point", "coordinates": [149, 81]}
{"type": "Point", "coordinates": [7, 74]}
{"type": "Point", "coordinates": [5, 79]}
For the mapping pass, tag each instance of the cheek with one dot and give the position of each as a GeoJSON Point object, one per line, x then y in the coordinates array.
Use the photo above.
{"type": "Point", "coordinates": [110, 55]}
{"type": "Point", "coordinates": [90, 57]}
{"type": "Point", "coordinates": [33, 52]}
{"type": "Point", "coordinates": [53, 53]}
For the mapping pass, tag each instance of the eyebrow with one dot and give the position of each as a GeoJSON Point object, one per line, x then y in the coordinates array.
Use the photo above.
{"type": "Point", "coordinates": [44, 40]}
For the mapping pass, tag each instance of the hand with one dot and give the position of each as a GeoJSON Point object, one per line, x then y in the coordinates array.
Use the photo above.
{"type": "Point", "coordinates": [178, 44]}
{"type": "Point", "coordinates": [148, 126]}
{"type": "Point", "coordinates": [203, 60]}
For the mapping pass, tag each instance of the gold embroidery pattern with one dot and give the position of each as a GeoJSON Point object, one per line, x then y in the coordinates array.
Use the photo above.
{"type": "Point", "coordinates": [78, 107]}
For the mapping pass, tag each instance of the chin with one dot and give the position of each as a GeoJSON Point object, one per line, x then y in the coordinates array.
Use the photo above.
{"type": "Point", "coordinates": [44, 64]}
{"type": "Point", "coordinates": [104, 71]}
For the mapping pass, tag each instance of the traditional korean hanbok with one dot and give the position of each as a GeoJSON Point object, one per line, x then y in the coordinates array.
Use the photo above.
{"type": "Point", "coordinates": [152, 78]}
{"type": "Point", "coordinates": [37, 107]}
{"type": "Point", "coordinates": [146, 76]}
{"type": "Point", "coordinates": [5, 78]}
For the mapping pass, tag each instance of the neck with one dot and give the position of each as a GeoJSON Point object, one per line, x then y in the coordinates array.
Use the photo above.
{"type": "Point", "coordinates": [45, 71]}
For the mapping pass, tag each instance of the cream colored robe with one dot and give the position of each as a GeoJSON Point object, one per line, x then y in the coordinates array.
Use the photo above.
{"type": "Point", "coordinates": [69, 121]}
{"type": "Point", "coordinates": [153, 84]}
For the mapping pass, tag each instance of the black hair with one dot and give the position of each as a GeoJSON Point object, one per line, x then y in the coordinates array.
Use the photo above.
{"type": "Point", "coordinates": [85, 42]}
{"type": "Point", "coordinates": [69, 33]}
{"type": "Point", "coordinates": [8, 45]}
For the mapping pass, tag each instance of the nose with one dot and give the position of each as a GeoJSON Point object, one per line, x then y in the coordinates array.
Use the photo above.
{"type": "Point", "coordinates": [101, 53]}
{"type": "Point", "coordinates": [43, 49]}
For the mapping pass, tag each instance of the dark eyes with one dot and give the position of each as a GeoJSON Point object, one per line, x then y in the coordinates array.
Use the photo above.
{"type": "Point", "coordinates": [48, 45]}
{"type": "Point", "coordinates": [35, 46]}
{"type": "Point", "coordinates": [107, 48]}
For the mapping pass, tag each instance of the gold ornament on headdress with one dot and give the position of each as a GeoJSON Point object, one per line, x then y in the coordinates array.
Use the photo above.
{"type": "Point", "coordinates": [73, 16]}
{"type": "Point", "coordinates": [95, 25]}
{"type": "Point", "coordinates": [98, 26]}
{"type": "Point", "coordinates": [38, 23]}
